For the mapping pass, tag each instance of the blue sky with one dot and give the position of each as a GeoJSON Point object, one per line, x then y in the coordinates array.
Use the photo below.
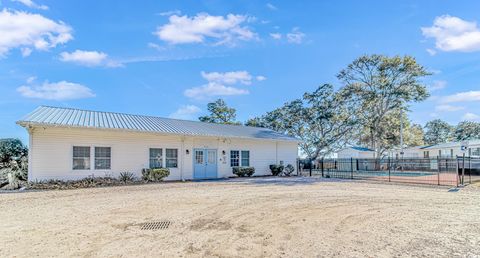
{"type": "Point", "coordinates": [170, 58]}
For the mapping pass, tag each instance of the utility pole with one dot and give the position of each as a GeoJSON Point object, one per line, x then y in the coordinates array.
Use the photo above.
{"type": "Point", "coordinates": [401, 138]}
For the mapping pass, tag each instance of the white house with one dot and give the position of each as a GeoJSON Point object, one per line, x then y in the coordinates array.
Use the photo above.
{"type": "Point", "coordinates": [452, 149]}
{"type": "Point", "coordinates": [356, 153]}
{"type": "Point", "coordinates": [69, 143]}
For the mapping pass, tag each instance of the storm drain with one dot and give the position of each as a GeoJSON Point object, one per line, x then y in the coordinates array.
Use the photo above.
{"type": "Point", "coordinates": [156, 225]}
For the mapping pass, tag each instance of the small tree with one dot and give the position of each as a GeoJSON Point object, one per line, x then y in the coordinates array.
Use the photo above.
{"type": "Point", "coordinates": [220, 113]}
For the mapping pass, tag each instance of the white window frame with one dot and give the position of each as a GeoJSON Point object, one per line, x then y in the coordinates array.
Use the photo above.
{"type": "Point", "coordinates": [171, 158]}
{"type": "Point", "coordinates": [92, 157]}
{"type": "Point", "coordinates": [240, 158]}
{"type": "Point", "coordinates": [89, 158]}
{"type": "Point", "coordinates": [164, 155]}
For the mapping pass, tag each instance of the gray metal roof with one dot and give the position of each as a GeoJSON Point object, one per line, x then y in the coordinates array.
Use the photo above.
{"type": "Point", "coordinates": [453, 144]}
{"type": "Point", "coordinates": [69, 117]}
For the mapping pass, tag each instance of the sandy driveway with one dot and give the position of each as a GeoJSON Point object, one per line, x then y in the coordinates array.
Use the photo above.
{"type": "Point", "coordinates": [253, 218]}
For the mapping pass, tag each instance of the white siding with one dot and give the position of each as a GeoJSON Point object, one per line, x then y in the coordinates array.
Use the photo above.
{"type": "Point", "coordinates": [51, 152]}
{"type": "Point", "coordinates": [352, 153]}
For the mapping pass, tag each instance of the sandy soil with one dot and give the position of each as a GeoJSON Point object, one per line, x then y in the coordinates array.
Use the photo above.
{"type": "Point", "coordinates": [244, 218]}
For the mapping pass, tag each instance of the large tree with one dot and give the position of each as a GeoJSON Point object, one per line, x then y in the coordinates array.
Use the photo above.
{"type": "Point", "coordinates": [11, 149]}
{"type": "Point", "coordinates": [220, 113]}
{"type": "Point", "coordinates": [438, 131]}
{"type": "Point", "coordinates": [467, 130]}
{"type": "Point", "coordinates": [380, 85]}
{"type": "Point", "coordinates": [322, 120]}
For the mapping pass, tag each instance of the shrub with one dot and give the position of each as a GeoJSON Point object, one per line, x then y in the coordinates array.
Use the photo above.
{"type": "Point", "coordinates": [155, 174]}
{"type": "Point", "coordinates": [244, 171]}
{"type": "Point", "coordinates": [126, 177]}
{"type": "Point", "coordinates": [289, 170]}
{"type": "Point", "coordinates": [276, 169]}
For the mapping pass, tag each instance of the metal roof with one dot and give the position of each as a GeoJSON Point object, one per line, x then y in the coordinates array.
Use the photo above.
{"type": "Point", "coordinates": [453, 144]}
{"type": "Point", "coordinates": [360, 148]}
{"type": "Point", "coordinates": [69, 117]}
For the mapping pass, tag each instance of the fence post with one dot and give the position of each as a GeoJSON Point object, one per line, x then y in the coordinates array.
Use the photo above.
{"type": "Point", "coordinates": [322, 167]}
{"type": "Point", "coordinates": [470, 169]}
{"type": "Point", "coordinates": [389, 168]}
{"type": "Point", "coordinates": [438, 169]}
{"type": "Point", "coordinates": [351, 167]}
{"type": "Point", "coordinates": [463, 169]}
{"type": "Point", "coordinates": [456, 170]}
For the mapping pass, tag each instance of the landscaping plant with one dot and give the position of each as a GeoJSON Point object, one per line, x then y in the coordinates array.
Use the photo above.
{"type": "Point", "coordinates": [243, 171]}
{"type": "Point", "coordinates": [126, 177]}
{"type": "Point", "coordinates": [155, 174]}
{"type": "Point", "coordinates": [289, 170]}
{"type": "Point", "coordinates": [276, 169]}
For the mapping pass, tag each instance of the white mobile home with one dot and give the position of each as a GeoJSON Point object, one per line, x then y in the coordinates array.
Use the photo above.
{"type": "Point", "coordinates": [69, 143]}
{"type": "Point", "coordinates": [356, 152]}
{"type": "Point", "coordinates": [452, 149]}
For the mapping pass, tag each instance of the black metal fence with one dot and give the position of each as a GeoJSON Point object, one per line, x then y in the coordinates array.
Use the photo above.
{"type": "Point", "coordinates": [449, 171]}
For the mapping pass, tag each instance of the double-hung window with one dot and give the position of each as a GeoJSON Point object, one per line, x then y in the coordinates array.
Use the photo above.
{"type": "Point", "coordinates": [171, 156]}
{"type": "Point", "coordinates": [234, 158]}
{"type": "Point", "coordinates": [103, 157]}
{"type": "Point", "coordinates": [81, 158]}
{"type": "Point", "coordinates": [245, 158]}
{"type": "Point", "coordinates": [156, 158]}
{"type": "Point", "coordinates": [239, 158]}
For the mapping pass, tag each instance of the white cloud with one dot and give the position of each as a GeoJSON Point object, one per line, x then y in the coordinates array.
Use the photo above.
{"type": "Point", "coordinates": [155, 46]}
{"type": "Point", "coordinates": [168, 13]}
{"type": "Point", "coordinates": [431, 52]}
{"type": "Point", "coordinates": [462, 97]}
{"type": "Point", "coordinates": [261, 78]}
{"type": "Point", "coordinates": [242, 77]}
{"type": "Point", "coordinates": [454, 34]}
{"type": "Point", "coordinates": [198, 29]}
{"type": "Point", "coordinates": [31, 4]}
{"type": "Point", "coordinates": [448, 108]}
{"type": "Point", "coordinates": [470, 117]}
{"type": "Point", "coordinates": [295, 36]}
{"type": "Point", "coordinates": [185, 112]}
{"type": "Point", "coordinates": [213, 89]}
{"type": "Point", "coordinates": [31, 79]}
{"type": "Point", "coordinates": [88, 58]}
{"type": "Point", "coordinates": [27, 30]}
{"type": "Point", "coordinates": [271, 7]}
{"type": "Point", "coordinates": [437, 85]}
{"type": "Point", "coordinates": [62, 90]}
{"type": "Point", "coordinates": [26, 51]}
{"type": "Point", "coordinates": [276, 35]}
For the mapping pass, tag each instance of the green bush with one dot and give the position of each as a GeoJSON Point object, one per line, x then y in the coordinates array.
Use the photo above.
{"type": "Point", "coordinates": [243, 171]}
{"type": "Point", "coordinates": [126, 177]}
{"type": "Point", "coordinates": [289, 170]}
{"type": "Point", "coordinates": [155, 174]}
{"type": "Point", "coordinates": [276, 169]}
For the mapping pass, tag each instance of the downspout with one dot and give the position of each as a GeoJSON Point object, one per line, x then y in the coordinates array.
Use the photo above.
{"type": "Point", "coordinates": [276, 152]}
{"type": "Point", "coordinates": [182, 162]}
{"type": "Point", "coordinates": [30, 153]}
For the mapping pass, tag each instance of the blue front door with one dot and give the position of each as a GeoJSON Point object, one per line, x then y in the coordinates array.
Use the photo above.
{"type": "Point", "coordinates": [204, 163]}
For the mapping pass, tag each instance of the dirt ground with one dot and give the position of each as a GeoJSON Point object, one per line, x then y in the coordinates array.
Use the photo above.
{"type": "Point", "coordinates": [297, 217]}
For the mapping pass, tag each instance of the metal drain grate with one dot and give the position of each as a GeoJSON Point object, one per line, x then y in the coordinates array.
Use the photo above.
{"type": "Point", "coordinates": [157, 225]}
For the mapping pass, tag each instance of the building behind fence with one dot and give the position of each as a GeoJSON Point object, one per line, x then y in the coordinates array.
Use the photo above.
{"type": "Point", "coordinates": [449, 171]}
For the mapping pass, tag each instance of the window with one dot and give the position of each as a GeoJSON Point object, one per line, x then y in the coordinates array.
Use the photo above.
{"type": "Point", "coordinates": [81, 157]}
{"type": "Point", "coordinates": [426, 154]}
{"type": "Point", "coordinates": [156, 158]}
{"type": "Point", "coordinates": [199, 157]}
{"type": "Point", "coordinates": [476, 152]}
{"type": "Point", "coordinates": [234, 158]}
{"type": "Point", "coordinates": [245, 158]}
{"type": "Point", "coordinates": [451, 152]}
{"type": "Point", "coordinates": [103, 157]}
{"type": "Point", "coordinates": [171, 158]}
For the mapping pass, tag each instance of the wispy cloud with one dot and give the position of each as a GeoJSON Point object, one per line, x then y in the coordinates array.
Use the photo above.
{"type": "Point", "coordinates": [295, 36]}
{"type": "Point", "coordinates": [88, 58]}
{"type": "Point", "coordinates": [271, 7]}
{"type": "Point", "coordinates": [204, 28]}
{"type": "Point", "coordinates": [62, 90]}
{"type": "Point", "coordinates": [31, 4]}
{"type": "Point", "coordinates": [471, 117]}
{"type": "Point", "coordinates": [453, 34]}
{"type": "Point", "coordinates": [437, 85]}
{"type": "Point", "coordinates": [186, 112]}
{"type": "Point", "coordinates": [30, 31]}
{"type": "Point", "coordinates": [222, 84]}
{"type": "Point", "coordinates": [276, 35]}
{"type": "Point", "coordinates": [448, 108]}
{"type": "Point", "coordinates": [169, 13]}
{"type": "Point", "coordinates": [467, 96]}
